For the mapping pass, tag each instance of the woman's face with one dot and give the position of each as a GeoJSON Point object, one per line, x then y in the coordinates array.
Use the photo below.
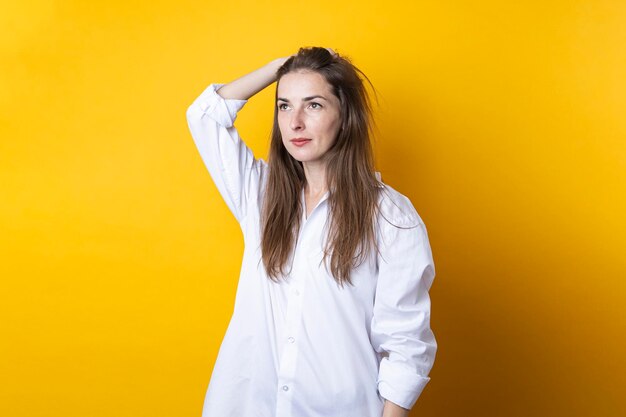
{"type": "Point", "coordinates": [307, 109]}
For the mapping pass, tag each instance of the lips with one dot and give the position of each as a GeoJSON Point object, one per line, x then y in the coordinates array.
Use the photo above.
{"type": "Point", "coordinates": [300, 141]}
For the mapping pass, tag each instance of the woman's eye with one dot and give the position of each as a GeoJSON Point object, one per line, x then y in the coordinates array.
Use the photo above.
{"type": "Point", "coordinates": [280, 106]}
{"type": "Point", "coordinates": [316, 104]}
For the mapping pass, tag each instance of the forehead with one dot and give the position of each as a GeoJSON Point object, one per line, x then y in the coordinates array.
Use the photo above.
{"type": "Point", "coordinates": [303, 84]}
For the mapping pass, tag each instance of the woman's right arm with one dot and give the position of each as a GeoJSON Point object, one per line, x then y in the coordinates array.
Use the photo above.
{"type": "Point", "coordinates": [245, 87]}
{"type": "Point", "coordinates": [231, 164]}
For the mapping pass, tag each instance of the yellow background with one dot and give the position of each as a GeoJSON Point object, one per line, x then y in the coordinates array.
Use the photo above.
{"type": "Point", "coordinates": [505, 124]}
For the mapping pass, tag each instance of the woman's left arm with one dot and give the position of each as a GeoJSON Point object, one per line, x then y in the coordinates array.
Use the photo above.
{"type": "Point", "coordinates": [394, 410]}
{"type": "Point", "coordinates": [400, 325]}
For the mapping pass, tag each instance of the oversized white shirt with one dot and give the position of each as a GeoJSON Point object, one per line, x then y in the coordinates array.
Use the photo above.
{"type": "Point", "coordinates": [305, 347]}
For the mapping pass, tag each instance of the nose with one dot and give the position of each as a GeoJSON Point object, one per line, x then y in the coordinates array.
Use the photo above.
{"type": "Point", "coordinates": [297, 120]}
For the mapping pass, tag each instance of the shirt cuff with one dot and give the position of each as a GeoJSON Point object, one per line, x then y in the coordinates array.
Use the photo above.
{"type": "Point", "coordinates": [400, 385]}
{"type": "Point", "coordinates": [222, 110]}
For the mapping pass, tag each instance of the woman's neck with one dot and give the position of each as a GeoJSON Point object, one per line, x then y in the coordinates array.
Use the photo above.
{"type": "Point", "coordinates": [315, 174]}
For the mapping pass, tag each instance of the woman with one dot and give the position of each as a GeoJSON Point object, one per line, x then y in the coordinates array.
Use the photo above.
{"type": "Point", "coordinates": [332, 312]}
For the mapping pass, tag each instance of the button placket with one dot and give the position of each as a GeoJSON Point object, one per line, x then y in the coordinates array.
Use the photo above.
{"type": "Point", "coordinates": [288, 360]}
{"type": "Point", "coordinates": [287, 366]}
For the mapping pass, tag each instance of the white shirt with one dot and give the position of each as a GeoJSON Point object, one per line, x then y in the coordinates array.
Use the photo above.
{"type": "Point", "coordinates": [304, 347]}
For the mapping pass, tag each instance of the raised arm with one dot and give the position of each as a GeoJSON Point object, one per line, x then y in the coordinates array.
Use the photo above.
{"type": "Point", "coordinates": [245, 87]}
{"type": "Point", "coordinates": [235, 171]}
{"type": "Point", "coordinates": [248, 85]}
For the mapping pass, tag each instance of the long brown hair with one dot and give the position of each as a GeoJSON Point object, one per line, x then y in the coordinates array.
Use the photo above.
{"type": "Point", "coordinates": [353, 186]}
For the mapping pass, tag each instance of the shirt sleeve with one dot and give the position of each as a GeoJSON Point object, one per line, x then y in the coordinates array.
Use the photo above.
{"type": "Point", "coordinates": [231, 164]}
{"type": "Point", "coordinates": [400, 327]}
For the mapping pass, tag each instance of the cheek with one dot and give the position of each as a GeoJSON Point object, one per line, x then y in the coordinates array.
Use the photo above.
{"type": "Point", "coordinates": [282, 124]}
{"type": "Point", "coordinates": [332, 127]}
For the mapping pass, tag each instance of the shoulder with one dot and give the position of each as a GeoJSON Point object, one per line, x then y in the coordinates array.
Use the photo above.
{"type": "Point", "coordinates": [396, 209]}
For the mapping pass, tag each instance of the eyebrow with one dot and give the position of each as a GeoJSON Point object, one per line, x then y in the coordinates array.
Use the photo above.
{"type": "Point", "coordinates": [304, 99]}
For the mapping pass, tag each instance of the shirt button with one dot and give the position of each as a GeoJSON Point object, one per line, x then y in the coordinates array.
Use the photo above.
{"type": "Point", "coordinates": [285, 388]}
{"type": "Point", "coordinates": [296, 292]}
{"type": "Point", "coordinates": [291, 340]}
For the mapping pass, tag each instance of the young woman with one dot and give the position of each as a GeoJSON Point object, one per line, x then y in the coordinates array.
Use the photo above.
{"type": "Point", "coordinates": [332, 311]}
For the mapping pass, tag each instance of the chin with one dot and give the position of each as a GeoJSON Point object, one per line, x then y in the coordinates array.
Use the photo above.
{"type": "Point", "coordinates": [300, 157]}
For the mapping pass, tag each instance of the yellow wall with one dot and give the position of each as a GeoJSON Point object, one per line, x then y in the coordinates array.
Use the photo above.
{"type": "Point", "coordinates": [504, 123]}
